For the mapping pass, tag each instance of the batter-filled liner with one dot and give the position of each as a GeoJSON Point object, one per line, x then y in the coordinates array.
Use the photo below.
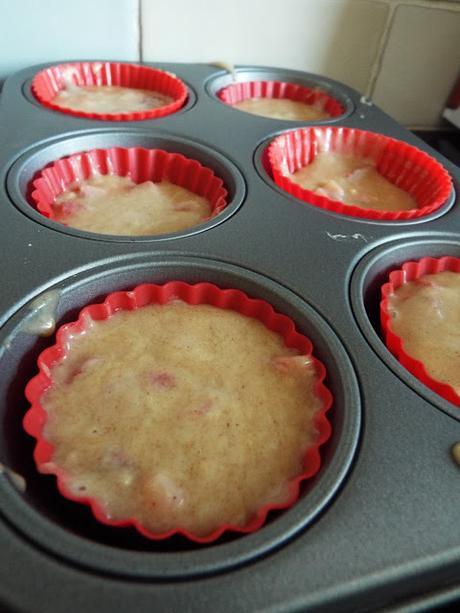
{"type": "Point", "coordinates": [417, 278]}
{"type": "Point", "coordinates": [236, 303]}
{"type": "Point", "coordinates": [301, 103]}
{"type": "Point", "coordinates": [202, 194]}
{"type": "Point", "coordinates": [403, 165]}
{"type": "Point", "coordinates": [169, 92]}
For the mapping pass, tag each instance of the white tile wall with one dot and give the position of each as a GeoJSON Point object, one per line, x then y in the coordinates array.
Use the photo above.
{"type": "Point", "coordinates": [420, 62]}
{"type": "Point", "coordinates": [34, 31]}
{"type": "Point", "coordinates": [337, 38]}
{"type": "Point", "coordinates": [404, 53]}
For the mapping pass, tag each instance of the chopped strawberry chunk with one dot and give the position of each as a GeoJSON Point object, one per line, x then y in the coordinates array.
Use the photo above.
{"type": "Point", "coordinates": [114, 459]}
{"type": "Point", "coordinates": [182, 207]}
{"type": "Point", "coordinates": [164, 493]}
{"type": "Point", "coordinates": [66, 208]}
{"type": "Point", "coordinates": [358, 174]}
{"type": "Point", "coordinates": [331, 189]}
{"type": "Point", "coordinates": [426, 282]}
{"type": "Point", "coordinates": [83, 366]}
{"type": "Point", "coordinates": [91, 191]}
{"type": "Point", "coordinates": [162, 379]}
{"type": "Point", "coordinates": [203, 408]}
{"type": "Point", "coordinates": [291, 363]}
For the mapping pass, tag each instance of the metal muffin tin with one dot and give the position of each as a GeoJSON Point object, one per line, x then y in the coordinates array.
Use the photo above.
{"type": "Point", "coordinates": [377, 527]}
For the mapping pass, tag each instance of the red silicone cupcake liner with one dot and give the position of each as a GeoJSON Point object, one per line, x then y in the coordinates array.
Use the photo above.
{"type": "Point", "coordinates": [405, 166]}
{"type": "Point", "coordinates": [201, 293]}
{"type": "Point", "coordinates": [47, 83]}
{"type": "Point", "coordinates": [136, 163]}
{"type": "Point", "coordinates": [237, 92]}
{"type": "Point", "coordinates": [411, 271]}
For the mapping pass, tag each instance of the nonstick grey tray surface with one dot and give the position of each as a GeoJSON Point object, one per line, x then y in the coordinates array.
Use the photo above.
{"type": "Point", "coordinates": [378, 526]}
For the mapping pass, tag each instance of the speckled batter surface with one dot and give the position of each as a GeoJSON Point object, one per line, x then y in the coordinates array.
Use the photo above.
{"type": "Point", "coordinates": [181, 416]}
{"type": "Point", "coordinates": [282, 108]}
{"type": "Point", "coordinates": [109, 204]}
{"type": "Point", "coordinates": [426, 315]}
{"type": "Point", "coordinates": [109, 99]}
{"type": "Point", "coordinates": [352, 180]}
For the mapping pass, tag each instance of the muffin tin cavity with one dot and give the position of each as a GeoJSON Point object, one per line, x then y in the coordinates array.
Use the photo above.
{"type": "Point", "coordinates": [369, 276]}
{"type": "Point", "coordinates": [27, 168]}
{"type": "Point", "coordinates": [68, 530]}
{"type": "Point", "coordinates": [215, 84]}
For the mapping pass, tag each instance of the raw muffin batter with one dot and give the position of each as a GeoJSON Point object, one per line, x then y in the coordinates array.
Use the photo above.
{"type": "Point", "coordinates": [282, 108]}
{"type": "Point", "coordinates": [425, 314]}
{"type": "Point", "coordinates": [115, 205]}
{"type": "Point", "coordinates": [109, 99]}
{"type": "Point", "coordinates": [181, 416]}
{"type": "Point", "coordinates": [352, 180]}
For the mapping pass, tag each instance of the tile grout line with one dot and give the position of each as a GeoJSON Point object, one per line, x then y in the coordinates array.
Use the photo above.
{"type": "Point", "coordinates": [377, 63]}
{"type": "Point", "coordinates": [139, 31]}
{"type": "Point", "coordinates": [429, 4]}
{"type": "Point", "coordinates": [443, 5]}
{"type": "Point", "coordinates": [393, 6]}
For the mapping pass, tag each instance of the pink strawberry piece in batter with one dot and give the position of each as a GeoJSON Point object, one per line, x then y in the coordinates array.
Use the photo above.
{"type": "Point", "coordinates": [162, 379]}
{"type": "Point", "coordinates": [82, 367]}
{"type": "Point", "coordinates": [288, 364]}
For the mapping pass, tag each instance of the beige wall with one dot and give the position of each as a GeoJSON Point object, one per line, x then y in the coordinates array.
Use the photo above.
{"type": "Point", "coordinates": [404, 54]}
